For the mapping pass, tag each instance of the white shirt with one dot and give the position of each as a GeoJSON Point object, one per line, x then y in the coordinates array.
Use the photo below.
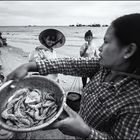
{"type": "Point", "coordinates": [92, 50]}
{"type": "Point", "coordinates": [43, 52]}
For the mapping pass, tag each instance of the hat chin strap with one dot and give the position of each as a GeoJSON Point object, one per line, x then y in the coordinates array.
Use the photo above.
{"type": "Point", "coordinates": [60, 40]}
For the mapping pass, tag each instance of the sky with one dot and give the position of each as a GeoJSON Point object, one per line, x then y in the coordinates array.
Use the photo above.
{"type": "Point", "coordinates": [59, 13]}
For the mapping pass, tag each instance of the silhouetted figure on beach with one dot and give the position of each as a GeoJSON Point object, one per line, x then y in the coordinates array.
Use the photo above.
{"type": "Point", "coordinates": [2, 41]}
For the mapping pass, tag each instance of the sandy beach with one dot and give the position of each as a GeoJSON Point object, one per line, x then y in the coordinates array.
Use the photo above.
{"type": "Point", "coordinates": [11, 58]}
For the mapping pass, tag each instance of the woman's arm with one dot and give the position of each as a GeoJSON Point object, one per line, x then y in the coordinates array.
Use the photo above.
{"type": "Point", "coordinates": [69, 66]}
{"type": "Point", "coordinates": [74, 125]}
{"type": "Point", "coordinates": [127, 127]}
{"type": "Point", "coordinates": [22, 71]}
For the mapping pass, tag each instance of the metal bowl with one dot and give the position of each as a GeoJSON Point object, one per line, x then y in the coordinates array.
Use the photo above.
{"type": "Point", "coordinates": [39, 82]}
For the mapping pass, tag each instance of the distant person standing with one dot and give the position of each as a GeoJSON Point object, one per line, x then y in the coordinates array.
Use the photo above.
{"type": "Point", "coordinates": [0, 35]}
{"type": "Point", "coordinates": [1, 41]}
{"type": "Point", "coordinates": [50, 39]}
{"type": "Point", "coordinates": [88, 49]}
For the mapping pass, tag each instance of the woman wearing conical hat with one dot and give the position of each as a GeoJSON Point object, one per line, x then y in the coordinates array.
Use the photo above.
{"type": "Point", "coordinates": [50, 39]}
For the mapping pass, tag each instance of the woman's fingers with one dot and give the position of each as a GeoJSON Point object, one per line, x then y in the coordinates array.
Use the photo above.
{"type": "Point", "coordinates": [71, 114]}
{"type": "Point", "coordinates": [9, 77]}
{"type": "Point", "coordinates": [12, 77]}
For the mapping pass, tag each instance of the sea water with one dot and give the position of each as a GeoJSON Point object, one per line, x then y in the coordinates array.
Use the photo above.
{"type": "Point", "coordinates": [26, 37]}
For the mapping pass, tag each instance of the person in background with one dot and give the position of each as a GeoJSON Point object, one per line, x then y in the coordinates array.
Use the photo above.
{"type": "Point", "coordinates": [0, 35]}
{"type": "Point", "coordinates": [110, 103]}
{"type": "Point", "coordinates": [1, 41]}
{"type": "Point", "coordinates": [50, 39]}
{"type": "Point", "coordinates": [88, 49]}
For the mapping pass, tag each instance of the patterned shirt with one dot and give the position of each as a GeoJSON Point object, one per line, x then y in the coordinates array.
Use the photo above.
{"type": "Point", "coordinates": [42, 52]}
{"type": "Point", "coordinates": [111, 109]}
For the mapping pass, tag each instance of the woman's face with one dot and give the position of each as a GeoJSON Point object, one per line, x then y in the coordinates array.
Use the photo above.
{"type": "Point", "coordinates": [88, 38]}
{"type": "Point", "coordinates": [49, 41]}
{"type": "Point", "coordinates": [112, 54]}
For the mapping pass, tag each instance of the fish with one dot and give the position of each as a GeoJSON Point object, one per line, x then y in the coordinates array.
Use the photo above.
{"type": "Point", "coordinates": [24, 121]}
{"type": "Point", "coordinates": [49, 97]}
{"type": "Point", "coordinates": [17, 110]}
{"type": "Point", "coordinates": [29, 107]}
{"type": "Point", "coordinates": [33, 97]}
{"type": "Point", "coordinates": [8, 116]}
{"type": "Point", "coordinates": [21, 92]}
{"type": "Point", "coordinates": [13, 102]}
{"type": "Point", "coordinates": [48, 103]}
{"type": "Point", "coordinates": [35, 106]}
{"type": "Point", "coordinates": [37, 116]}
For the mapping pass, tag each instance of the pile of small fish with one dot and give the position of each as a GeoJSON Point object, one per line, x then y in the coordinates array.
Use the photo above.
{"type": "Point", "coordinates": [29, 107]}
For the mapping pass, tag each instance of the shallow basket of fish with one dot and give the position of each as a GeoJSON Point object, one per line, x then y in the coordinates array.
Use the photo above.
{"type": "Point", "coordinates": [30, 104]}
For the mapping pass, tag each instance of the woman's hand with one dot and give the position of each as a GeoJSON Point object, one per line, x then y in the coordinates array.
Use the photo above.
{"type": "Point", "coordinates": [18, 73]}
{"type": "Point", "coordinates": [73, 125]}
{"type": "Point", "coordinates": [22, 71]}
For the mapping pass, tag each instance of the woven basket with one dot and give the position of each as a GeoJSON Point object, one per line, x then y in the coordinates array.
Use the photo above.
{"type": "Point", "coordinates": [34, 82]}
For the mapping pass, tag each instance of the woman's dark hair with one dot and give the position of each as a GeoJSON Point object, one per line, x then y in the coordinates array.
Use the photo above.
{"type": "Point", "coordinates": [127, 30]}
{"type": "Point", "coordinates": [88, 33]}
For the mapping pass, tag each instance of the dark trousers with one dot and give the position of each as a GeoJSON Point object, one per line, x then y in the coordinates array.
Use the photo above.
{"type": "Point", "coordinates": [84, 81]}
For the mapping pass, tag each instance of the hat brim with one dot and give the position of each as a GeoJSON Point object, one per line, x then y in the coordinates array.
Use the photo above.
{"type": "Point", "coordinates": [52, 32]}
